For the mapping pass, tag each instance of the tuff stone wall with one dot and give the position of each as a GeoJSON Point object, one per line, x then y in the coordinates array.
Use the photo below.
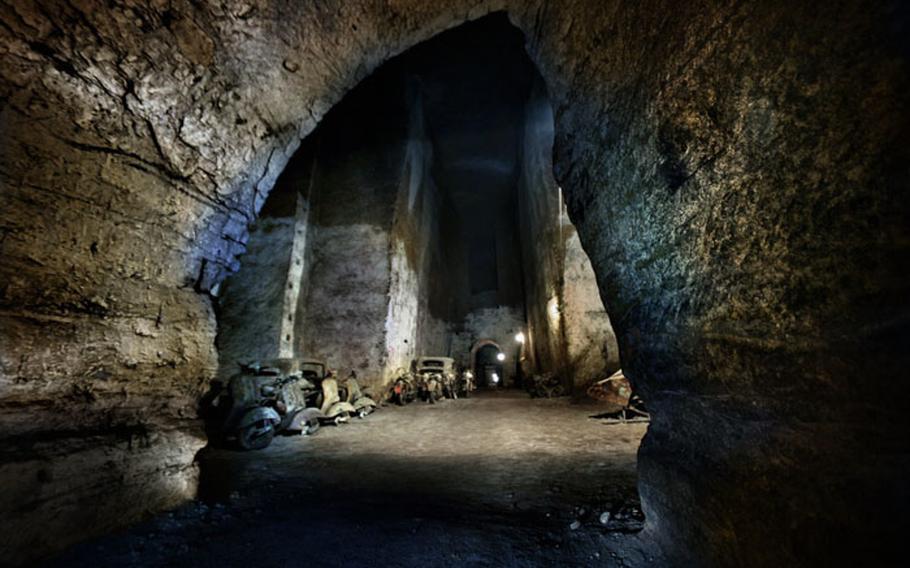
{"type": "Point", "coordinates": [363, 212]}
{"type": "Point", "coordinates": [257, 307]}
{"type": "Point", "coordinates": [372, 235]}
{"type": "Point", "coordinates": [354, 192]}
{"type": "Point", "coordinates": [742, 219]}
{"type": "Point", "coordinates": [591, 349]}
{"type": "Point", "coordinates": [736, 171]}
{"type": "Point", "coordinates": [499, 324]}
{"type": "Point", "coordinates": [569, 331]}
{"type": "Point", "coordinates": [250, 318]}
{"type": "Point", "coordinates": [415, 325]}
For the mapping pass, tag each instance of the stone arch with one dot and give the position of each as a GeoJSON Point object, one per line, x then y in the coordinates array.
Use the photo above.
{"type": "Point", "coordinates": [132, 168]}
{"type": "Point", "coordinates": [478, 345]}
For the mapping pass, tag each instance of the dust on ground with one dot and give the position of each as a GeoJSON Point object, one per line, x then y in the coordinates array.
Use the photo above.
{"type": "Point", "coordinates": [494, 480]}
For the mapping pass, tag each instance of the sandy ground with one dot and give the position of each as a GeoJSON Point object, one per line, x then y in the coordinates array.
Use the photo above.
{"type": "Point", "coordinates": [495, 480]}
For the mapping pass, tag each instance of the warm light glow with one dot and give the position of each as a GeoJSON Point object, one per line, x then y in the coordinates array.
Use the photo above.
{"type": "Point", "coordinates": [500, 356]}
{"type": "Point", "coordinates": [520, 337]}
{"type": "Point", "coordinates": [469, 375]}
{"type": "Point", "coordinates": [553, 311]}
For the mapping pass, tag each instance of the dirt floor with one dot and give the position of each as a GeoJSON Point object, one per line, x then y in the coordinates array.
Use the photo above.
{"type": "Point", "coordinates": [494, 480]}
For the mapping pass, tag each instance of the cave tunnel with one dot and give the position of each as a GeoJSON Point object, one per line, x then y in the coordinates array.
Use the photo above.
{"type": "Point", "coordinates": [677, 233]}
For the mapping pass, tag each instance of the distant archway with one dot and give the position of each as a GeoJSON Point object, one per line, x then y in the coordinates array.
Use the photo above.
{"type": "Point", "coordinates": [476, 351]}
{"type": "Point", "coordinates": [665, 155]}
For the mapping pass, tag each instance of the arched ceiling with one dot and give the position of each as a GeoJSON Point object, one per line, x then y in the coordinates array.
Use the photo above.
{"type": "Point", "coordinates": [737, 173]}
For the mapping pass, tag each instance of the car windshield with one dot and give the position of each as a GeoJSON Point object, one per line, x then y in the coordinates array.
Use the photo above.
{"type": "Point", "coordinates": [312, 370]}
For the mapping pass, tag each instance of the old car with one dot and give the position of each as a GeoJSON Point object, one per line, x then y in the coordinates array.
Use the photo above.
{"type": "Point", "coordinates": [436, 377]}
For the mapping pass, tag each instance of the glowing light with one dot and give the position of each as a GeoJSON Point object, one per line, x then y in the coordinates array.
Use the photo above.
{"type": "Point", "coordinates": [469, 375]}
{"type": "Point", "coordinates": [553, 311]}
{"type": "Point", "coordinates": [500, 356]}
{"type": "Point", "coordinates": [495, 378]}
{"type": "Point", "coordinates": [520, 337]}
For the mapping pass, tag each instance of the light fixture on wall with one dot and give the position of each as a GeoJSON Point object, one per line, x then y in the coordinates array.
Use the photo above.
{"type": "Point", "coordinates": [500, 356]}
{"type": "Point", "coordinates": [520, 337]}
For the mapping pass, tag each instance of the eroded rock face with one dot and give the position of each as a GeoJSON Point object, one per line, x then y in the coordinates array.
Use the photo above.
{"type": "Point", "coordinates": [569, 331]}
{"type": "Point", "coordinates": [736, 171]}
{"type": "Point", "coordinates": [742, 221]}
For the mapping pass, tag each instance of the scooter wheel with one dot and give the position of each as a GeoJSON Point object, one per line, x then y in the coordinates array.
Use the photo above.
{"type": "Point", "coordinates": [254, 438]}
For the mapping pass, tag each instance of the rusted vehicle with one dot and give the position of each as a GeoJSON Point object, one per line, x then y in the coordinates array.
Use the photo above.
{"type": "Point", "coordinates": [327, 398]}
{"type": "Point", "coordinates": [265, 399]}
{"type": "Point", "coordinates": [465, 385]}
{"type": "Point", "coordinates": [621, 403]}
{"type": "Point", "coordinates": [403, 389]}
{"type": "Point", "coordinates": [545, 385]}
{"type": "Point", "coordinates": [359, 398]}
{"type": "Point", "coordinates": [435, 378]}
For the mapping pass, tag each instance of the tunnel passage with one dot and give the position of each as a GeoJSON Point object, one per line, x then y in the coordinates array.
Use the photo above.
{"type": "Point", "coordinates": [736, 172]}
{"type": "Point", "coordinates": [488, 365]}
{"type": "Point", "coordinates": [420, 218]}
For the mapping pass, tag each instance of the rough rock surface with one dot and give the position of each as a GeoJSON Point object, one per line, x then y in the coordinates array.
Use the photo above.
{"type": "Point", "coordinates": [250, 316]}
{"type": "Point", "coordinates": [736, 170]}
{"type": "Point", "coordinates": [569, 331]}
{"type": "Point", "coordinates": [500, 493]}
{"type": "Point", "coordinates": [340, 265]}
{"type": "Point", "coordinates": [498, 325]}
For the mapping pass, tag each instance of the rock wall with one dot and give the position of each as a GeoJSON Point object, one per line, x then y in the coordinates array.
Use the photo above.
{"type": "Point", "coordinates": [341, 263]}
{"type": "Point", "coordinates": [736, 172]}
{"type": "Point", "coordinates": [374, 235]}
{"type": "Point", "coordinates": [358, 175]}
{"type": "Point", "coordinates": [735, 188]}
{"type": "Point", "coordinates": [499, 324]}
{"type": "Point", "coordinates": [569, 331]}
{"type": "Point", "coordinates": [591, 349]}
{"type": "Point", "coordinates": [257, 306]}
{"type": "Point", "coordinates": [250, 319]}
{"type": "Point", "coordinates": [411, 328]}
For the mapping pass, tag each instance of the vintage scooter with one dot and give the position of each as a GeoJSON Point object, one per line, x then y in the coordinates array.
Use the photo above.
{"type": "Point", "coordinates": [351, 392]}
{"type": "Point", "coordinates": [403, 390]}
{"type": "Point", "coordinates": [466, 384]}
{"type": "Point", "coordinates": [430, 387]}
{"type": "Point", "coordinates": [262, 401]}
{"type": "Point", "coordinates": [450, 386]}
{"type": "Point", "coordinates": [334, 409]}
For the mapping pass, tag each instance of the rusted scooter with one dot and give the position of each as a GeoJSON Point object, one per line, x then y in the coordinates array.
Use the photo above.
{"type": "Point", "coordinates": [263, 400]}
